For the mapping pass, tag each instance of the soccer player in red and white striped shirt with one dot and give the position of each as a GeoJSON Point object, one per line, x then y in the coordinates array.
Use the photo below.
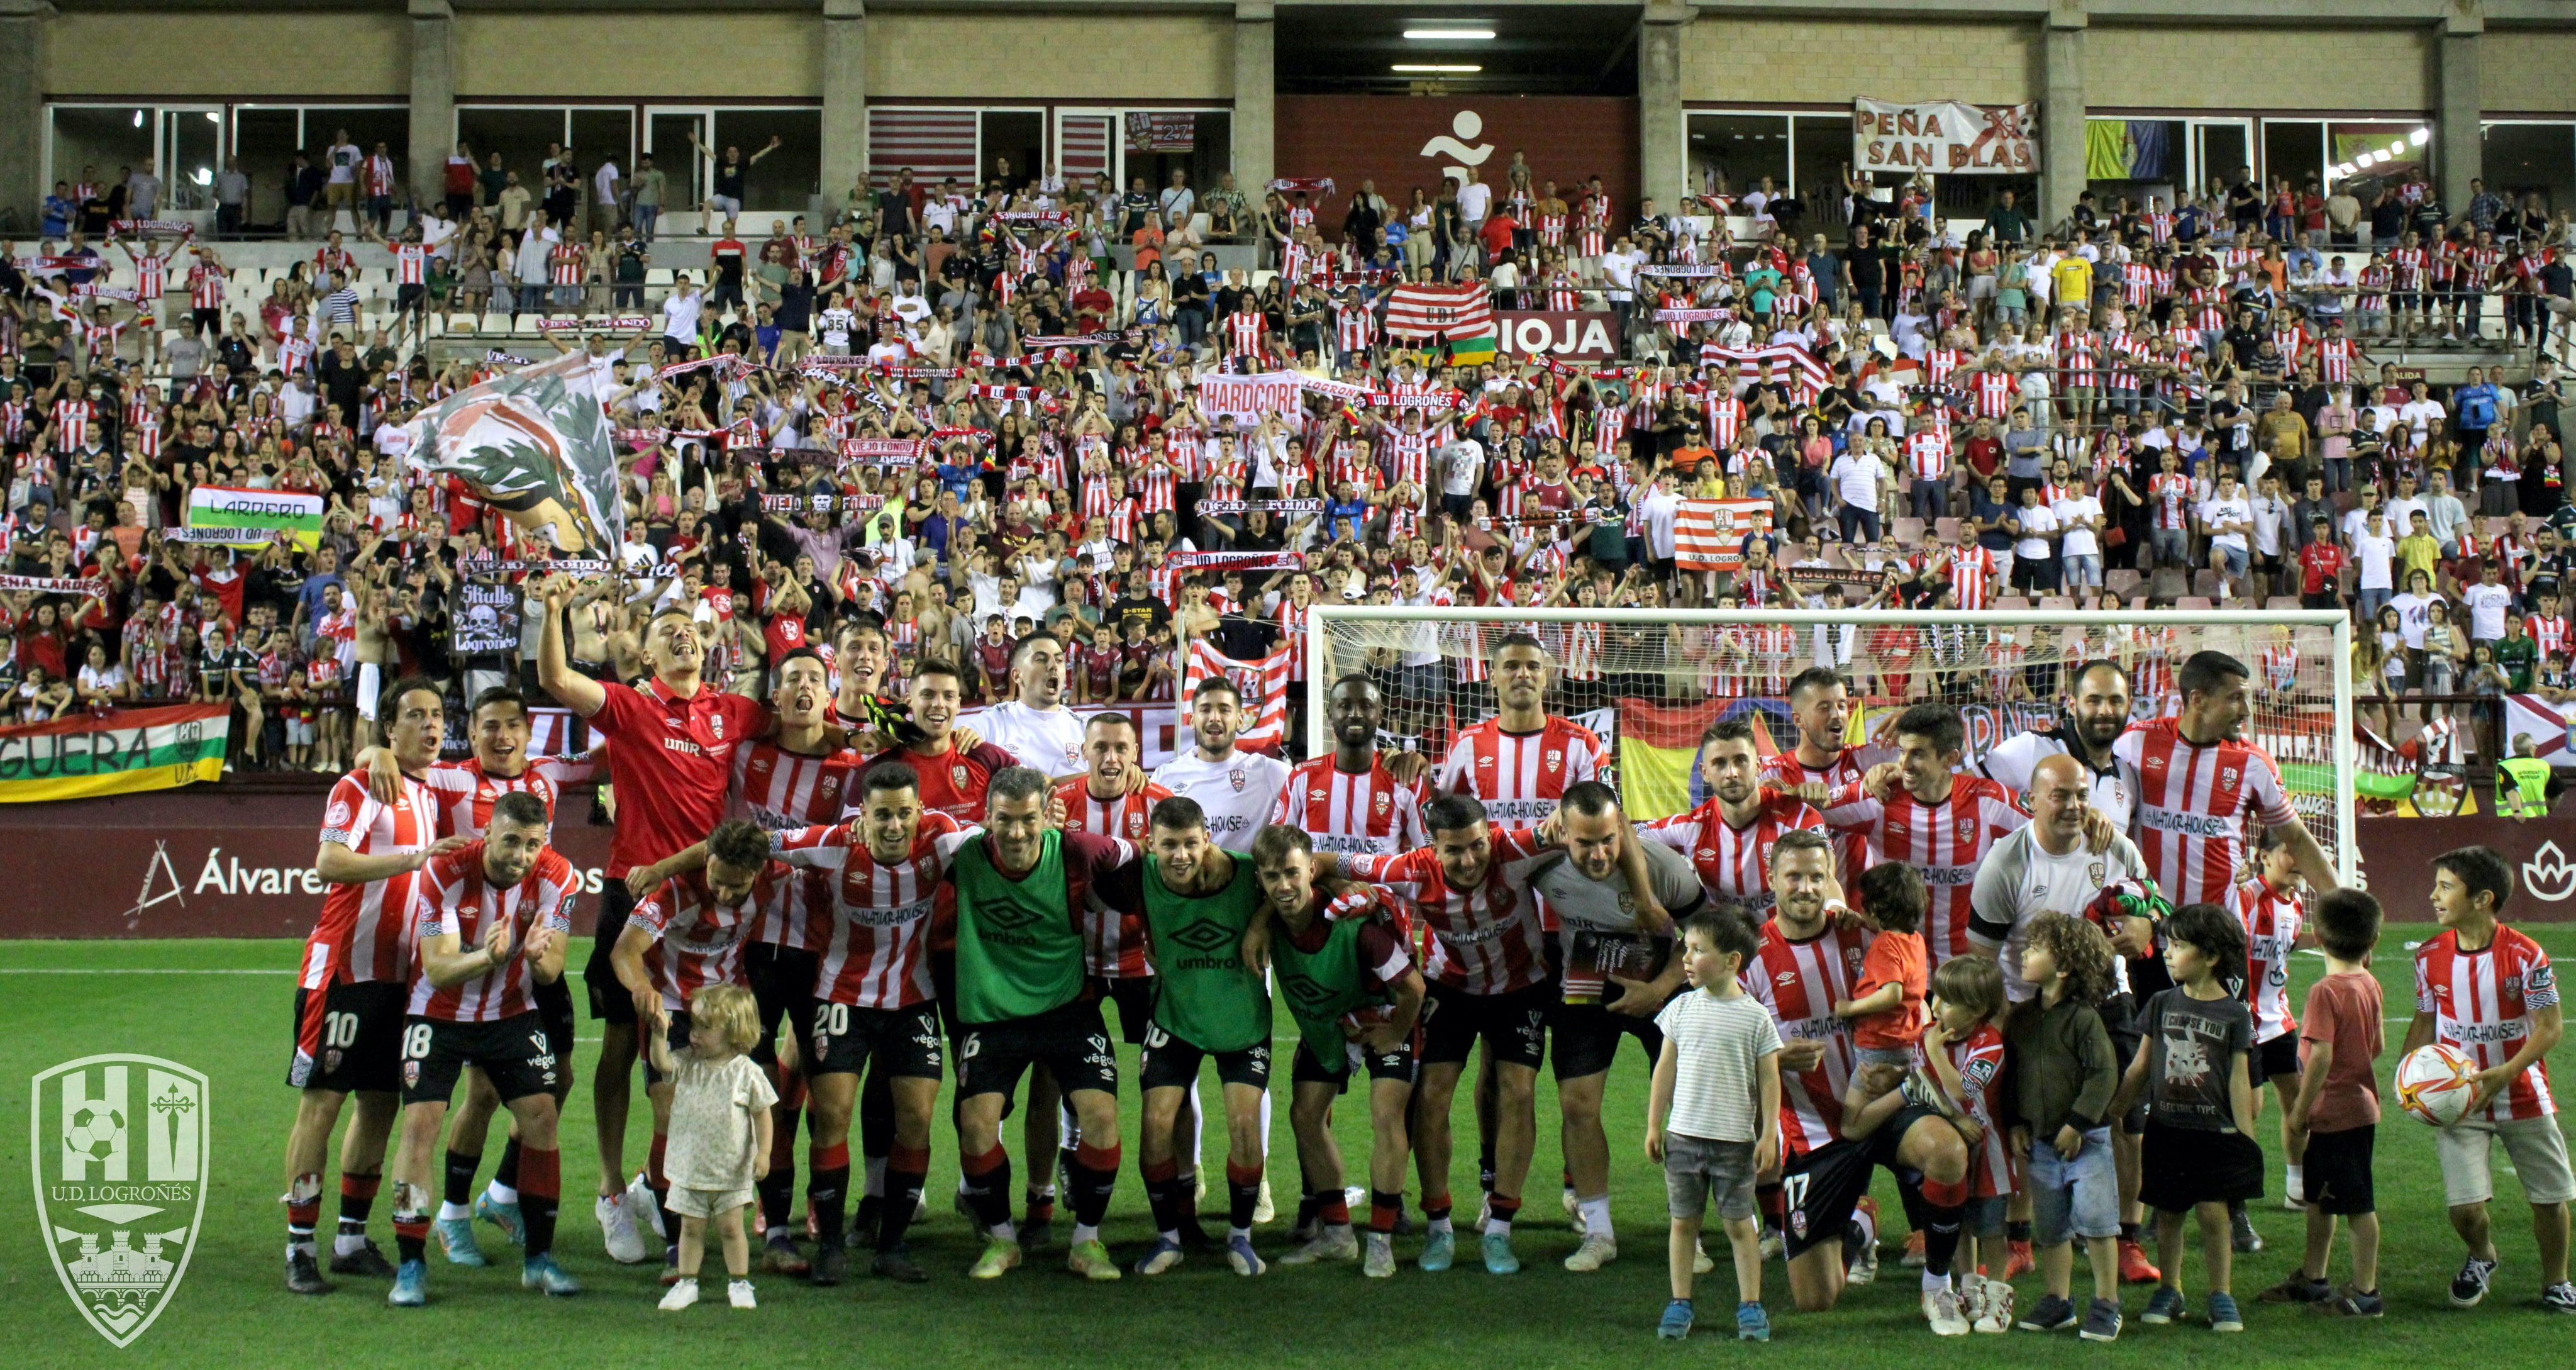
{"type": "Point", "coordinates": [354, 989]}
{"type": "Point", "coordinates": [1347, 800]}
{"type": "Point", "coordinates": [2489, 991]}
{"type": "Point", "coordinates": [1917, 810]}
{"type": "Point", "coordinates": [872, 996]}
{"type": "Point", "coordinates": [1729, 839]}
{"type": "Point", "coordinates": [1820, 704]}
{"type": "Point", "coordinates": [2196, 779]}
{"type": "Point", "coordinates": [1113, 799]}
{"type": "Point", "coordinates": [1520, 760]}
{"type": "Point", "coordinates": [495, 915]}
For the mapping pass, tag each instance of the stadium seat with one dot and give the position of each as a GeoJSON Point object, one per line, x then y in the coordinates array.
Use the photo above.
{"type": "Point", "coordinates": [2282, 602]}
{"type": "Point", "coordinates": [2208, 583]}
{"type": "Point", "coordinates": [1947, 530]}
{"type": "Point", "coordinates": [2012, 602]}
{"type": "Point", "coordinates": [1909, 532]}
{"type": "Point", "coordinates": [2058, 603]}
{"type": "Point", "coordinates": [2121, 582]}
{"type": "Point", "coordinates": [2195, 602]}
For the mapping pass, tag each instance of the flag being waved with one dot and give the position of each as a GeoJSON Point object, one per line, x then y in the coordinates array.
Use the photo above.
{"type": "Point", "coordinates": [536, 445]}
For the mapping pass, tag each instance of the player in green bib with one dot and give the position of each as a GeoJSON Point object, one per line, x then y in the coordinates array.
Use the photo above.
{"type": "Point", "coordinates": [1021, 887]}
{"type": "Point", "coordinates": [1351, 984]}
{"type": "Point", "coordinates": [1197, 900]}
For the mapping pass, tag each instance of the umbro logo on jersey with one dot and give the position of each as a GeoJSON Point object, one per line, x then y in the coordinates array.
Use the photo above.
{"type": "Point", "coordinates": [1786, 977]}
{"type": "Point", "coordinates": [1318, 797]}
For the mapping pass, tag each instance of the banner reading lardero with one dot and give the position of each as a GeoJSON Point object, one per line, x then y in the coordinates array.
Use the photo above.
{"type": "Point", "coordinates": [1945, 137]}
{"type": "Point", "coordinates": [124, 752]}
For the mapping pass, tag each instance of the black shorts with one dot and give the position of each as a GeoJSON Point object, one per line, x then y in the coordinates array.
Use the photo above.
{"type": "Point", "coordinates": [1309, 1067]}
{"type": "Point", "coordinates": [1134, 996]}
{"type": "Point", "coordinates": [609, 1001]}
{"type": "Point", "coordinates": [1513, 1026]}
{"type": "Point", "coordinates": [1167, 1062]}
{"type": "Point", "coordinates": [554, 1010]}
{"type": "Point", "coordinates": [2182, 1166]}
{"type": "Point", "coordinates": [1819, 1189]}
{"type": "Point", "coordinates": [410, 299]}
{"type": "Point", "coordinates": [2337, 1171]}
{"type": "Point", "coordinates": [1070, 1041]}
{"type": "Point", "coordinates": [677, 1039]}
{"type": "Point", "coordinates": [1587, 1038]}
{"type": "Point", "coordinates": [782, 980]}
{"type": "Point", "coordinates": [2277, 1059]}
{"type": "Point", "coordinates": [1884, 1144]}
{"type": "Point", "coordinates": [349, 1040]}
{"type": "Point", "coordinates": [517, 1054]}
{"type": "Point", "coordinates": [840, 1038]}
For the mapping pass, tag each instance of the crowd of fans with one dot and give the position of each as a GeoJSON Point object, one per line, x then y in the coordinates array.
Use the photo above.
{"type": "Point", "coordinates": [2141, 405]}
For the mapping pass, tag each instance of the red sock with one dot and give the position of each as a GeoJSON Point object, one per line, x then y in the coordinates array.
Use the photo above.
{"type": "Point", "coordinates": [1954, 1194]}
{"type": "Point", "coordinates": [540, 1188]}
{"type": "Point", "coordinates": [1384, 1209]}
{"type": "Point", "coordinates": [1336, 1211]}
{"type": "Point", "coordinates": [833, 1157]}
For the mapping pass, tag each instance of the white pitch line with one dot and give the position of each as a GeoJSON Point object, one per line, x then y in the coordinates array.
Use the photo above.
{"type": "Point", "coordinates": [100, 970]}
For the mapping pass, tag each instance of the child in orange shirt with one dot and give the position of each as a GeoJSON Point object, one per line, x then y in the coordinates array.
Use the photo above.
{"type": "Point", "coordinates": [1887, 1005]}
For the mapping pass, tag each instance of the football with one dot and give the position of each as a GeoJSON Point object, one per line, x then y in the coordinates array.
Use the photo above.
{"type": "Point", "coordinates": [93, 1131]}
{"type": "Point", "coordinates": [2434, 1084]}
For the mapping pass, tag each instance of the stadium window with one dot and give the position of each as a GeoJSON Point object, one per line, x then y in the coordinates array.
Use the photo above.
{"type": "Point", "coordinates": [787, 180]}
{"type": "Point", "coordinates": [1737, 151]}
{"type": "Point", "coordinates": [108, 139]}
{"type": "Point", "coordinates": [2532, 159]}
{"type": "Point", "coordinates": [1209, 157]}
{"type": "Point", "coordinates": [1820, 146]}
{"type": "Point", "coordinates": [520, 134]}
{"type": "Point", "coordinates": [2294, 149]}
{"type": "Point", "coordinates": [267, 137]}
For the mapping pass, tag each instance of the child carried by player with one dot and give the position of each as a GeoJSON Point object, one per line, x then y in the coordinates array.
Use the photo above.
{"type": "Point", "coordinates": [1887, 1005]}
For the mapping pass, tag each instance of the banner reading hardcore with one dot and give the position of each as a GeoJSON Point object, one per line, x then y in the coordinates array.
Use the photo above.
{"type": "Point", "coordinates": [536, 445]}
{"type": "Point", "coordinates": [241, 517]}
{"type": "Point", "coordinates": [127, 751]}
{"type": "Point", "coordinates": [1945, 137]}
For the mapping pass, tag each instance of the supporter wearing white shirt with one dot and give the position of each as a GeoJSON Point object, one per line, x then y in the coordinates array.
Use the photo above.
{"type": "Point", "coordinates": [2488, 602]}
{"type": "Point", "coordinates": [1662, 509]}
{"type": "Point", "coordinates": [2411, 617]}
{"type": "Point", "coordinates": [2080, 515]}
{"type": "Point", "coordinates": [2425, 416]}
{"type": "Point", "coordinates": [2374, 552]}
{"type": "Point", "coordinates": [680, 313]}
{"type": "Point", "coordinates": [2037, 522]}
{"type": "Point", "coordinates": [1036, 727]}
{"type": "Point", "coordinates": [1237, 790]}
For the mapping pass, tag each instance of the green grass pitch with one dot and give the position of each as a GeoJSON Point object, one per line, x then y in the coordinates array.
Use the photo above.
{"type": "Point", "coordinates": [69, 999]}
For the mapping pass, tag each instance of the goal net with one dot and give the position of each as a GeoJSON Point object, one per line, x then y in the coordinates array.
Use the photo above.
{"type": "Point", "coordinates": [1650, 681]}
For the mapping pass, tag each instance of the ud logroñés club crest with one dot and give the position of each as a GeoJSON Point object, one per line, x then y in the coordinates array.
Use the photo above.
{"type": "Point", "coordinates": [120, 1147]}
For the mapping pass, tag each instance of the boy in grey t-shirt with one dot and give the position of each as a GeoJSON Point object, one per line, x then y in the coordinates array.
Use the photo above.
{"type": "Point", "coordinates": [1714, 1118]}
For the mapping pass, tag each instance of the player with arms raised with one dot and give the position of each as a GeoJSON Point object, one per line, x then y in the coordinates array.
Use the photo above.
{"type": "Point", "coordinates": [494, 917]}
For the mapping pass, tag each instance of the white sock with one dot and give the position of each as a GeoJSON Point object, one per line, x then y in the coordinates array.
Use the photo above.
{"type": "Point", "coordinates": [448, 1212]}
{"type": "Point", "coordinates": [348, 1243]}
{"type": "Point", "coordinates": [1442, 1225]}
{"type": "Point", "coordinates": [500, 1193]}
{"type": "Point", "coordinates": [1265, 1124]}
{"type": "Point", "coordinates": [2297, 1182]}
{"type": "Point", "coordinates": [1085, 1232]}
{"type": "Point", "coordinates": [1233, 1232]}
{"type": "Point", "coordinates": [876, 1178]}
{"type": "Point", "coordinates": [1932, 1282]}
{"type": "Point", "coordinates": [1495, 1225]}
{"type": "Point", "coordinates": [1596, 1216]}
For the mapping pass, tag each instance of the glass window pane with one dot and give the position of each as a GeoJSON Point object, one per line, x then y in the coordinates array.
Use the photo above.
{"type": "Point", "coordinates": [521, 137]}
{"type": "Point", "coordinates": [1824, 149]}
{"type": "Point", "coordinates": [606, 133]}
{"type": "Point", "coordinates": [791, 175]}
{"type": "Point", "coordinates": [2533, 159]}
{"type": "Point", "coordinates": [1009, 139]}
{"type": "Point", "coordinates": [264, 141]}
{"type": "Point", "coordinates": [2410, 163]}
{"type": "Point", "coordinates": [1209, 159]}
{"type": "Point", "coordinates": [686, 172]}
{"type": "Point", "coordinates": [2294, 150]}
{"type": "Point", "coordinates": [101, 144]}
{"type": "Point", "coordinates": [195, 143]}
{"type": "Point", "coordinates": [367, 126]}
{"type": "Point", "coordinates": [1735, 153]}
{"type": "Point", "coordinates": [2224, 158]}
{"type": "Point", "coordinates": [2152, 164]}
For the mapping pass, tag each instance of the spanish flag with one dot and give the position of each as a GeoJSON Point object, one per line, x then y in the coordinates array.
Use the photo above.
{"type": "Point", "coordinates": [1659, 746]}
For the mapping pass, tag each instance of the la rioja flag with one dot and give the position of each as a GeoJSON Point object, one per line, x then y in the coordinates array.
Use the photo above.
{"type": "Point", "coordinates": [1262, 681]}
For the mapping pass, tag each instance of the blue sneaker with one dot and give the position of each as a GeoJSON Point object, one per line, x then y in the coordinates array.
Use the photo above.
{"type": "Point", "coordinates": [503, 1216]}
{"type": "Point", "coordinates": [2053, 1313]}
{"type": "Point", "coordinates": [1438, 1250]}
{"type": "Point", "coordinates": [411, 1285]}
{"type": "Point", "coordinates": [2223, 1316]}
{"type": "Point", "coordinates": [1751, 1323]}
{"type": "Point", "coordinates": [2164, 1307]}
{"type": "Point", "coordinates": [541, 1272]}
{"type": "Point", "coordinates": [1676, 1322]}
{"type": "Point", "coordinates": [1499, 1259]}
{"type": "Point", "coordinates": [1165, 1254]}
{"type": "Point", "coordinates": [1240, 1255]}
{"type": "Point", "coordinates": [456, 1238]}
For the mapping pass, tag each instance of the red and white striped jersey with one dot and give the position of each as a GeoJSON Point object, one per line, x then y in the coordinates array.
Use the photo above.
{"type": "Point", "coordinates": [71, 424]}
{"type": "Point", "coordinates": [1725, 411]}
{"type": "Point", "coordinates": [2482, 1002]}
{"type": "Point", "coordinates": [205, 286]}
{"type": "Point", "coordinates": [1734, 864]}
{"type": "Point", "coordinates": [411, 263]}
{"type": "Point", "coordinates": [2271, 918]}
{"type": "Point", "coordinates": [464, 792]}
{"type": "Point", "coordinates": [1407, 456]}
{"type": "Point", "coordinates": [2549, 636]}
{"type": "Point", "coordinates": [1927, 455]}
{"type": "Point", "coordinates": [784, 791]}
{"type": "Point", "coordinates": [1996, 391]}
{"type": "Point", "coordinates": [1243, 330]}
{"type": "Point", "coordinates": [1944, 842]}
{"type": "Point", "coordinates": [365, 932]}
{"type": "Point", "coordinates": [875, 952]}
{"type": "Point", "coordinates": [1520, 776]}
{"type": "Point", "coordinates": [2335, 357]}
{"type": "Point", "coordinates": [1354, 327]}
{"type": "Point", "coordinates": [1291, 618]}
{"type": "Point", "coordinates": [151, 274]}
{"type": "Point", "coordinates": [380, 175]}
{"type": "Point", "coordinates": [1972, 574]}
{"type": "Point", "coordinates": [2192, 800]}
{"type": "Point", "coordinates": [699, 941]}
{"type": "Point", "coordinates": [1799, 981]}
{"type": "Point", "coordinates": [1487, 940]}
{"type": "Point", "coordinates": [1784, 772]}
{"type": "Point", "coordinates": [1980, 1063]}
{"type": "Point", "coordinates": [1113, 940]}
{"type": "Point", "coordinates": [1370, 813]}
{"type": "Point", "coordinates": [458, 901]}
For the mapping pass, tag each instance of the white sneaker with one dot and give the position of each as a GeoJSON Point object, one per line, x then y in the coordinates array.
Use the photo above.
{"type": "Point", "coordinates": [1329, 1244]}
{"type": "Point", "coordinates": [1941, 1308]}
{"type": "Point", "coordinates": [1995, 1308]}
{"type": "Point", "coordinates": [1379, 1262]}
{"type": "Point", "coordinates": [1262, 1211]}
{"type": "Point", "coordinates": [738, 1293]}
{"type": "Point", "coordinates": [679, 1296]}
{"type": "Point", "coordinates": [1700, 1263]}
{"type": "Point", "coordinates": [1596, 1252]}
{"type": "Point", "coordinates": [639, 1199]}
{"type": "Point", "coordinates": [617, 1229]}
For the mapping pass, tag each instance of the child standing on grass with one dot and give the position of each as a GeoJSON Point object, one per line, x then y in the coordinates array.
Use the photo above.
{"type": "Point", "coordinates": [2063, 1080]}
{"type": "Point", "coordinates": [1887, 1005]}
{"type": "Point", "coordinates": [1713, 1118]}
{"type": "Point", "coordinates": [2192, 1066]}
{"type": "Point", "coordinates": [2336, 1111]}
{"type": "Point", "coordinates": [720, 1134]}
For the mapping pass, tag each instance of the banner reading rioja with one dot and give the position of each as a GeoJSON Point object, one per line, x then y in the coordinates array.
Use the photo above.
{"type": "Point", "coordinates": [535, 444]}
{"type": "Point", "coordinates": [1945, 137]}
{"type": "Point", "coordinates": [82, 756]}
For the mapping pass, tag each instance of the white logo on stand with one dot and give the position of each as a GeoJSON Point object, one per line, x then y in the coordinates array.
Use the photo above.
{"type": "Point", "coordinates": [120, 1220]}
{"type": "Point", "coordinates": [2549, 876]}
{"type": "Point", "coordinates": [1467, 125]}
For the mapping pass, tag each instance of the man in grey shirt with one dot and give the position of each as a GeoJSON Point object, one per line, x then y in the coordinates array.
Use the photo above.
{"type": "Point", "coordinates": [232, 197]}
{"type": "Point", "coordinates": [648, 184]}
{"type": "Point", "coordinates": [2025, 454]}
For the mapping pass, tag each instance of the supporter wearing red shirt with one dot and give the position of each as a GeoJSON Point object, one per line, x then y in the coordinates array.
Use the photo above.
{"type": "Point", "coordinates": [2321, 562]}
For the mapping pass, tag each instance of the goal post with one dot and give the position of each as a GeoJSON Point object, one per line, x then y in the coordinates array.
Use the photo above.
{"type": "Point", "coordinates": [1651, 679]}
